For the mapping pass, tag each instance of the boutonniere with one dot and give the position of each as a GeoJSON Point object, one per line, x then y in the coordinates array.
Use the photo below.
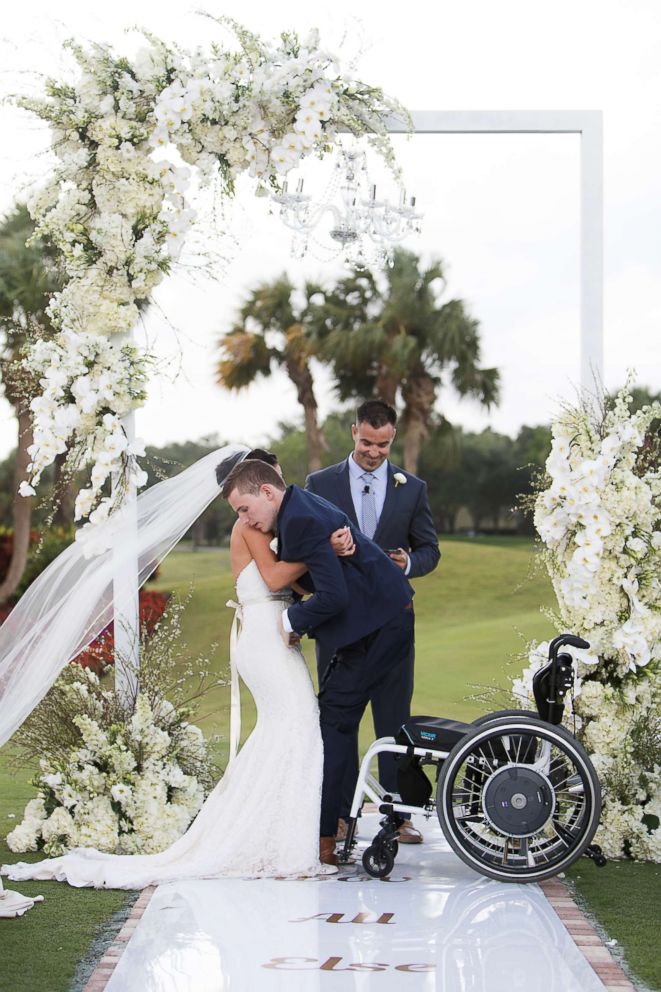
{"type": "Point", "coordinates": [274, 545]}
{"type": "Point", "coordinates": [400, 479]}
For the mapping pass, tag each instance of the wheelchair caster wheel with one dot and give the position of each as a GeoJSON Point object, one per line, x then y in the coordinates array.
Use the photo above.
{"type": "Point", "coordinates": [379, 861]}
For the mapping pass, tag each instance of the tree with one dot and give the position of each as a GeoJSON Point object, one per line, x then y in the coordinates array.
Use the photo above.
{"type": "Point", "coordinates": [28, 278]}
{"type": "Point", "coordinates": [391, 338]}
{"type": "Point", "coordinates": [271, 333]}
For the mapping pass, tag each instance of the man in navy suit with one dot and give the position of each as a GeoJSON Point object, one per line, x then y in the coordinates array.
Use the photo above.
{"type": "Point", "coordinates": [392, 508]}
{"type": "Point", "coordinates": [359, 611]}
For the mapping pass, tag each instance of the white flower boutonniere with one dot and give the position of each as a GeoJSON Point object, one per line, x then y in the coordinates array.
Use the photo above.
{"type": "Point", "coordinates": [274, 545]}
{"type": "Point", "coordinates": [400, 479]}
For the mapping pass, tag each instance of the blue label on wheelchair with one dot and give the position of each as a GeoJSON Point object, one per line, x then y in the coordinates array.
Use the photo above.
{"type": "Point", "coordinates": [427, 735]}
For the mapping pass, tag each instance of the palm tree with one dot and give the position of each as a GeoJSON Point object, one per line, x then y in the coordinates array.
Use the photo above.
{"type": "Point", "coordinates": [391, 339]}
{"type": "Point", "coordinates": [271, 333]}
{"type": "Point", "coordinates": [28, 278]}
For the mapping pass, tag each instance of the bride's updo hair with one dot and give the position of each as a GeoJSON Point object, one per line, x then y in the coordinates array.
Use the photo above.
{"type": "Point", "coordinates": [249, 476]}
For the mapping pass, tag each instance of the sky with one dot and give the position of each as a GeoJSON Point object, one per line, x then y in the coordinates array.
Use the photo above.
{"type": "Point", "coordinates": [501, 211]}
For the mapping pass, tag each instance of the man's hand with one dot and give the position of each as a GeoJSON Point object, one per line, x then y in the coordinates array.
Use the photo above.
{"type": "Point", "coordinates": [399, 556]}
{"type": "Point", "coordinates": [290, 638]}
{"type": "Point", "coordinates": [342, 542]}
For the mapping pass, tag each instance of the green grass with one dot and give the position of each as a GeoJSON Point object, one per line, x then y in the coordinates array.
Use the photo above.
{"type": "Point", "coordinates": [41, 950]}
{"type": "Point", "coordinates": [624, 898]}
{"type": "Point", "coordinates": [474, 615]}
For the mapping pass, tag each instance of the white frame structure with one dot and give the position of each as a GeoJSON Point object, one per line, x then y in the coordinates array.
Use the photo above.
{"type": "Point", "coordinates": [586, 123]}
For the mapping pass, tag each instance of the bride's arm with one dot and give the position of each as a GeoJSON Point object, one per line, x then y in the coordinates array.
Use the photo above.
{"type": "Point", "coordinates": [276, 574]}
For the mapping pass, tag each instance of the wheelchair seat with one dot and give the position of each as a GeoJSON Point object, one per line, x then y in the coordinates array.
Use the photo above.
{"type": "Point", "coordinates": [432, 731]}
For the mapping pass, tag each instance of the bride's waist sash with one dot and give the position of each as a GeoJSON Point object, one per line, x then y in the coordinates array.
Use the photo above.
{"type": "Point", "coordinates": [286, 598]}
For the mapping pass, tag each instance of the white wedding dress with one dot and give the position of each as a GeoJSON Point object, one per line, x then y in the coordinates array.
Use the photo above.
{"type": "Point", "coordinates": [245, 827]}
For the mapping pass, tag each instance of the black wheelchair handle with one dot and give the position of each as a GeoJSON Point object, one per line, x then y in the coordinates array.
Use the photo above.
{"type": "Point", "coordinates": [569, 639]}
{"type": "Point", "coordinates": [575, 642]}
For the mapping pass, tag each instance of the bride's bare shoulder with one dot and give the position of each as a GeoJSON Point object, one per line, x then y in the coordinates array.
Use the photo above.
{"type": "Point", "coordinates": [240, 554]}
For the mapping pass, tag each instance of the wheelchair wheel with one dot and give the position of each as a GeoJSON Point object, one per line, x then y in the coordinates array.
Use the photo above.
{"type": "Point", "coordinates": [518, 799]}
{"type": "Point", "coordinates": [378, 860]}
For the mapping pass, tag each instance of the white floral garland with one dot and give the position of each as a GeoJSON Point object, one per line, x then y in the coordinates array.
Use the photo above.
{"type": "Point", "coordinates": [599, 519]}
{"type": "Point", "coordinates": [116, 205]}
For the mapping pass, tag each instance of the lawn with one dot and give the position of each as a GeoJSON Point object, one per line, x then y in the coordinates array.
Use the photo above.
{"type": "Point", "coordinates": [474, 616]}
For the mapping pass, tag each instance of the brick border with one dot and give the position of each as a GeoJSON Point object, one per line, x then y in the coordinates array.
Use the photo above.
{"type": "Point", "coordinates": [586, 937]}
{"type": "Point", "coordinates": [104, 969]}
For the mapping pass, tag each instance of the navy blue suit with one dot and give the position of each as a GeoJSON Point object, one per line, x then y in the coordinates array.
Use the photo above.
{"type": "Point", "coordinates": [359, 612]}
{"type": "Point", "coordinates": [405, 522]}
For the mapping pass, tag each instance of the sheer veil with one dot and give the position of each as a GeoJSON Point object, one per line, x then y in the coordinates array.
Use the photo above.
{"type": "Point", "coordinates": [71, 602]}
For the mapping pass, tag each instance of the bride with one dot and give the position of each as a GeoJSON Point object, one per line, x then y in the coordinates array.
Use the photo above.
{"type": "Point", "coordinates": [238, 832]}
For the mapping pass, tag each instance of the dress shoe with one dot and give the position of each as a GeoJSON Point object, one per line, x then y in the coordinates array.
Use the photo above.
{"type": "Point", "coordinates": [327, 854]}
{"type": "Point", "coordinates": [342, 831]}
{"type": "Point", "coordinates": [408, 834]}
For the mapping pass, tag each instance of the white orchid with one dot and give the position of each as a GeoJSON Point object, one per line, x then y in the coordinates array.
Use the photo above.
{"type": "Point", "coordinates": [119, 218]}
{"type": "Point", "coordinates": [599, 519]}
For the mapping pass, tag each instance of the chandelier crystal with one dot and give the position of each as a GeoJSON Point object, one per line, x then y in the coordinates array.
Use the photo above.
{"type": "Point", "coordinates": [363, 228]}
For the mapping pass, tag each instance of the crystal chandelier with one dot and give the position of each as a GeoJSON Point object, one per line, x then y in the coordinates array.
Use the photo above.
{"type": "Point", "coordinates": [363, 228]}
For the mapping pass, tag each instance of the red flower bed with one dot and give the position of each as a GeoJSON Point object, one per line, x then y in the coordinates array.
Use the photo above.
{"type": "Point", "coordinates": [101, 652]}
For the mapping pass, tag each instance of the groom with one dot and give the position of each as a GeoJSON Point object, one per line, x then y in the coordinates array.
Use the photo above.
{"type": "Point", "coordinates": [359, 611]}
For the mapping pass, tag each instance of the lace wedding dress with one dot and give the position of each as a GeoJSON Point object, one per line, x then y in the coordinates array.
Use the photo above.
{"type": "Point", "coordinates": [245, 826]}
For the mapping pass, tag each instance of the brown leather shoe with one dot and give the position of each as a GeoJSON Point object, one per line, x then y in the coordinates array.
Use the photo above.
{"type": "Point", "coordinates": [327, 854]}
{"type": "Point", "coordinates": [408, 834]}
{"type": "Point", "coordinates": [342, 831]}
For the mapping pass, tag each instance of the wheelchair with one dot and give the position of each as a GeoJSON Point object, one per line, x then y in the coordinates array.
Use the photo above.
{"type": "Point", "coordinates": [517, 796]}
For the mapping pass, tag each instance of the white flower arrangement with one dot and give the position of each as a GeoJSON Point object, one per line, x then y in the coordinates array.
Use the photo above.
{"type": "Point", "coordinates": [88, 384]}
{"type": "Point", "coordinates": [129, 789]}
{"type": "Point", "coordinates": [400, 479]}
{"type": "Point", "coordinates": [116, 781]}
{"type": "Point", "coordinates": [118, 213]}
{"type": "Point", "coordinates": [598, 515]}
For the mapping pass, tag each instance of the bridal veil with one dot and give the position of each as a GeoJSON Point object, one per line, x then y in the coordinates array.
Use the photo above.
{"type": "Point", "coordinates": [72, 601]}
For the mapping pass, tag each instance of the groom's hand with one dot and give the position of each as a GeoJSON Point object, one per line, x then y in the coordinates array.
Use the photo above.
{"type": "Point", "coordinates": [290, 637]}
{"type": "Point", "coordinates": [342, 542]}
{"type": "Point", "coordinates": [399, 556]}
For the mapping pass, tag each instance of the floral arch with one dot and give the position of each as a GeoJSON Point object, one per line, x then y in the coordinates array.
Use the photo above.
{"type": "Point", "coordinates": [116, 209]}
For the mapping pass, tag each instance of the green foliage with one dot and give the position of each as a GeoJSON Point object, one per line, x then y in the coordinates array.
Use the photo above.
{"type": "Point", "coordinates": [51, 544]}
{"type": "Point", "coordinates": [387, 335]}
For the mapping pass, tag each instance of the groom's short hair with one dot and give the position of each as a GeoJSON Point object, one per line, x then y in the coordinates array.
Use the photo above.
{"type": "Point", "coordinates": [249, 476]}
{"type": "Point", "coordinates": [376, 413]}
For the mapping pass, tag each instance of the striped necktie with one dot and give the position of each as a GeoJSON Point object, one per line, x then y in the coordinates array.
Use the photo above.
{"type": "Point", "coordinates": [369, 505]}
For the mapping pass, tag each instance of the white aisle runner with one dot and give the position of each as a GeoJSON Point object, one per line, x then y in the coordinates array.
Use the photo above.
{"type": "Point", "coordinates": [434, 926]}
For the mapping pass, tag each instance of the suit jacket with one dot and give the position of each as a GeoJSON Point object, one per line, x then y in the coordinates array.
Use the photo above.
{"type": "Point", "coordinates": [352, 596]}
{"type": "Point", "coordinates": [405, 521]}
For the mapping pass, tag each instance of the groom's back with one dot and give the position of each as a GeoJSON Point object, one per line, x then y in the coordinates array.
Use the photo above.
{"type": "Point", "coordinates": [376, 587]}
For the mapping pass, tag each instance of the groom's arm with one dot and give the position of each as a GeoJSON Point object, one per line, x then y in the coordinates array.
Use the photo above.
{"type": "Point", "coordinates": [331, 594]}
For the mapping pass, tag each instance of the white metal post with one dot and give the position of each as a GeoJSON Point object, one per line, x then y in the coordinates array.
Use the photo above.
{"type": "Point", "coordinates": [126, 593]}
{"type": "Point", "coordinates": [592, 263]}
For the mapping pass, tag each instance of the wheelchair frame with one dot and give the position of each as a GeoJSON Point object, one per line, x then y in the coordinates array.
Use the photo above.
{"type": "Point", "coordinates": [505, 815]}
